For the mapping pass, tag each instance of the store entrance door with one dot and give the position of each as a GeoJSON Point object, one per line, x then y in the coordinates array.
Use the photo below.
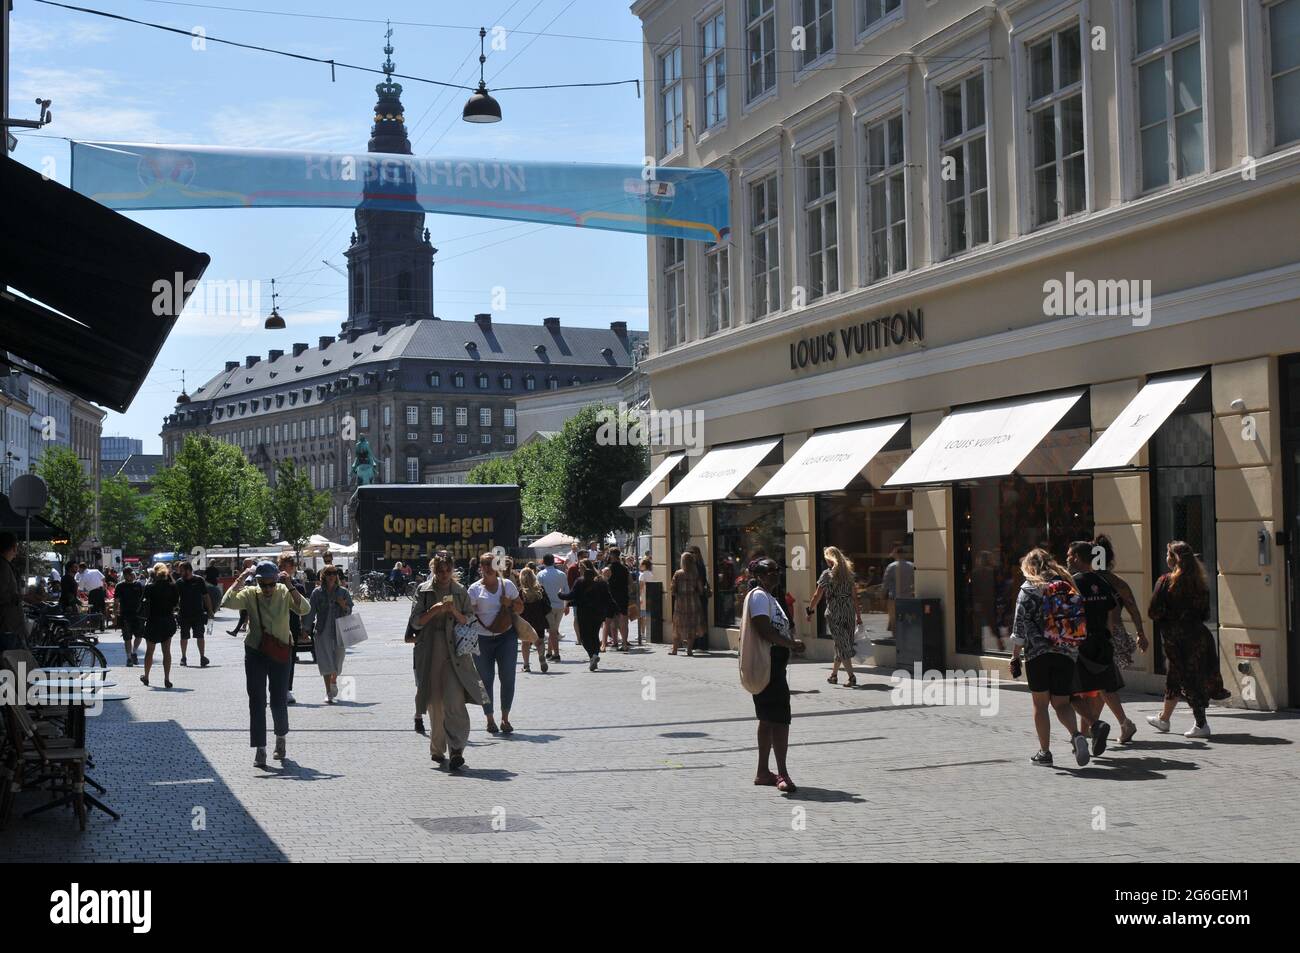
{"type": "Point", "coordinates": [1289, 379]}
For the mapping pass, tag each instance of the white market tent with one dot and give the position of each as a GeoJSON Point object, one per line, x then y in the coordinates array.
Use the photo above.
{"type": "Point", "coordinates": [554, 540]}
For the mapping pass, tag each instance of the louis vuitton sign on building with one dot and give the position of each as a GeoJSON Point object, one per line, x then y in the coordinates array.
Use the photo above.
{"type": "Point", "coordinates": [853, 340]}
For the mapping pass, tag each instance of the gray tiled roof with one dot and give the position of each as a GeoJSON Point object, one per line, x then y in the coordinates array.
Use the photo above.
{"type": "Point", "coordinates": [140, 466]}
{"type": "Point", "coordinates": [429, 339]}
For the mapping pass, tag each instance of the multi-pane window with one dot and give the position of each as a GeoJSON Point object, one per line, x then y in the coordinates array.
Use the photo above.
{"type": "Point", "coordinates": [412, 469]}
{"type": "Point", "coordinates": [485, 416]}
{"type": "Point", "coordinates": [412, 415]}
{"type": "Point", "coordinates": [764, 247]}
{"type": "Point", "coordinates": [508, 417]}
{"type": "Point", "coordinates": [552, 383]}
{"type": "Point", "coordinates": [485, 439]}
{"type": "Point", "coordinates": [713, 66]}
{"type": "Point", "coordinates": [872, 11]}
{"type": "Point", "coordinates": [1284, 70]}
{"type": "Point", "coordinates": [507, 382]}
{"type": "Point", "coordinates": [530, 382]}
{"type": "Point", "coordinates": [717, 288]}
{"type": "Point", "coordinates": [963, 166]}
{"type": "Point", "coordinates": [670, 101]}
{"type": "Point", "coordinates": [1171, 113]}
{"type": "Point", "coordinates": [458, 379]}
{"type": "Point", "coordinates": [886, 198]}
{"type": "Point", "coordinates": [388, 415]}
{"type": "Point", "coordinates": [313, 426]}
{"type": "Point", "coordinates": [435, 415]}
{"type": "Point", "coordinates": [817, 17]}
{"type": "Point", "coordinates": [674, 271]}
{"type": "Point", "coordinates": [277, 433]}
{"type": "Point", "coordinates": [1056, 125]}
{"type": "Point", "coordinates": [760, 43]}
{"type": "Point", "coordinates": [437, 438]}
{"type": "Point", "coordinates": [462, 438]}
{"type": "Point", "coordinates": [822, 223]}
{"type": "Point", "coordinates": [435, 379]}
{"type": "Point", "coordinates": [508, 440]}
{"type": "Point", "coordinates": [482, 382]}
{"type": "Point", "coordinates": [462, 416]}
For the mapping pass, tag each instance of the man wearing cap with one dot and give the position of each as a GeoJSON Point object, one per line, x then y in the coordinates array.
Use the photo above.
{"type": "Point", "coordinates": [268, 651]}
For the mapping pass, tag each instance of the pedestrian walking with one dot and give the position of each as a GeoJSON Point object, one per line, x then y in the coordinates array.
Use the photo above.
{"type": "Point", "coordinates": [554, 581]}
{"type": "Point", "coordinates": [288, 577]}
{"type": "Point", "coordinates": [212, 579]}
{"type": "Point", "coordinates": [128, 603]}
{"type": "Point", "coordinates": [1048, 627]}
{"type": "Point", "coordinates": [1179, 607]}
{"type": "Point", "coordinates": [843, 617]}
{"type": "Point", "coordinates": [706, 593]}
{"type": "Point", "coordinates": [1126, 643]}
{"type": "Point", "coordinates": [193, 610]}
{"type": "Point", "coordinates": [243, 614]}
{"type": "Point", "coordinates": [619, 583]}
{"type": "Point", "coordinates": [329, 602]}
{"type": "Point", "coordinates": [764, 618]}
{"type": "Point", "coordinates": [1099, 676]}
{"type": "Point", "coordinates": [448, 681]}
{"type": "Point", "coordinates": [591, 603]}
{"type": "Point", "coordinates": [495, 601]}
{"type": "Point", "coordinates": [688, 607]}
{"type": "Point", "coordinates": [268, 651]}
{"type": "Point", "coordinates": [160, 600]}
{"type": "Point", "coordinates": [898, 582]}
{"type": "Point", "coordinates": [91, 582]}
{"type": "Point", "coordinates": [536, 612]}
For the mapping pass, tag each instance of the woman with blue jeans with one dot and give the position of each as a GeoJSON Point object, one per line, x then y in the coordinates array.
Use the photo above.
{"type": "Point", "coordinates": [495, 600]}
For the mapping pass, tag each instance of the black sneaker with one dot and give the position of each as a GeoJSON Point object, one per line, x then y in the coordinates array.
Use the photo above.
{"type": "Point", "coordinates": [1080, 742]}
{"type": "Point", "coordinates": [545, 667]}
{"type": "Point", "coordinates": [437, 758]}
{"type": "Point", "coordinates": [456, 763]}
{"type": "Point", "coordinates": [203, 662]}
{"type": "Point", "coordinates": [1100, 732]}
{"type": "Point", "coordinates": [595, 659]}
{"type": "Point", "coordinates": [130, 660]}
{"type": "Point", "coordinates": [184, 664]}
{"type": "Point", "coordinates": [1043, 757]}
{"type": "Point", "coordinates": [419, 725]}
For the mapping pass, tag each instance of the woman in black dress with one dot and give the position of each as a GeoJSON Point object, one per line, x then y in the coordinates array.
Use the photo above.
{"type": "Point", "coordinates": [592, 602]}
{"type": "Point", "coordinates": [160, 600]}
{"type": "Point", "coordinates": [772, 705]}
{"type": "Point", "coordinates": [1179, 607]}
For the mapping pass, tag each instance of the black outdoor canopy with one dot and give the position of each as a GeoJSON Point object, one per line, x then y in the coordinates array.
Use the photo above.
{"type": "Point", "coordinates": [99, 269]}
{"type": "Point", "coordinates": [13, 523]}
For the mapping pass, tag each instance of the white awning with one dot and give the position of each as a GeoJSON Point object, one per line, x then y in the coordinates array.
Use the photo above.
{"type": "Point", "coordinates": [987, 441]}
{"type": "Point", "coordinates": [642, 493]}
{"type": "Point", "coordinates": [1139, 421]}
{"type": "Point", "coordinates": [719, 472]}
{"type": "Point", "coordinates": [830, 459]}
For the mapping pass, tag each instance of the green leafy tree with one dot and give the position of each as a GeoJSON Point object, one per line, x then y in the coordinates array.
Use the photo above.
{"type": "Point", "coordinates": [210, 496]}
{"type": "Point", "coordinates": [71, 503]}
{"type": "Point", "coordinates": [532, 469]}
{"type": "Point", "coordinates": [121, 515]}
{"type": "Point", "coordinates": [297, 510]}
{"type": "Point", "coordinates": [590, 472]}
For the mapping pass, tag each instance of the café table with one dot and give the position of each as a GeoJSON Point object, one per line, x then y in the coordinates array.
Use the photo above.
{"type": "Point", "coordinates": [79, 689]}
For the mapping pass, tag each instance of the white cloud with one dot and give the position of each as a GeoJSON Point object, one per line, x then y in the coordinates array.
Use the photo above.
{"type": "Point", "coordinates": [283, 124]}
{"type": "Point", "coordinates": [37, 37]}
{"type": "Point", "coordinates": [91, 103]}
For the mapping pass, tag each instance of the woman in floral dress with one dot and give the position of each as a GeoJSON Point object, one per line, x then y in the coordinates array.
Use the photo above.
{"type": "Point", "coordinates": [843, 617]}
{"type": "Point", "coordinates": [688, 610]}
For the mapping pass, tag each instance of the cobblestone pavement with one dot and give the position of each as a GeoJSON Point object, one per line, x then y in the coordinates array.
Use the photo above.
{"type": "Point", "coordinates": [652, 758]}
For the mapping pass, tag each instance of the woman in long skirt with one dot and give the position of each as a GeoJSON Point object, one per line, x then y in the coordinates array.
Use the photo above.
{"type": "Point", "coordinates": [1179, 607]}
{"type": "Point", "coordinates": [842, 614]}
{"type": "Point", "coordinates": [329, 602]}
{"type": "Point", "coordinates": [688, 609]}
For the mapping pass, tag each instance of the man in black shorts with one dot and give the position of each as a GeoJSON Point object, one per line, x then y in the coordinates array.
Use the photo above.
{"type": "Point", "coordinates": [1098, 673]}
{"type": "Point", "coordinates": [127, 601]}
{"type": "Point", "coordinates": [193, 609]}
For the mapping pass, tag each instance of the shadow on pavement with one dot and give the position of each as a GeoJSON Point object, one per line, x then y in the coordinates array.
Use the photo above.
{"type": "Point", "coordinates": [825, 796]}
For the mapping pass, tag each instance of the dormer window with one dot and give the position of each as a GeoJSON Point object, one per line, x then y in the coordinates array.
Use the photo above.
{"type": "Point", "coordinates": [507, 382]}
{"type": "Point", "coordinates": [530, 382]}
{"type": "Point", "coordinates": [482, 382]}
{"type": "Point", "coordinates": [458, 379]}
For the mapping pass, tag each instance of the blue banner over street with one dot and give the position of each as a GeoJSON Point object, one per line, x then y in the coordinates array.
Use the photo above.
{"type": "Point", "coordinates": [666, 201]}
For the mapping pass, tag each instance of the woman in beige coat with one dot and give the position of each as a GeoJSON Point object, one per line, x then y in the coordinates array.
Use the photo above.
{"type": "Point", "coordinates": [450, 681]}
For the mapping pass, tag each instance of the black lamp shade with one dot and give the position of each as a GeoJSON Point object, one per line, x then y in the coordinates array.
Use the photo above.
{"type": "Point", "coordinates": [274, 322]}
{"type": "Point", "coordinates": [481, 107]}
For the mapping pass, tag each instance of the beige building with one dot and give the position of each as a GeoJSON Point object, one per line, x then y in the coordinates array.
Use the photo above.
{"type": "Point", "coordinates": [1039, 257]}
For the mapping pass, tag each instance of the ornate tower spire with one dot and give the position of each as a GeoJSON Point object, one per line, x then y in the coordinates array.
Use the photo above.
{"type": "Point", "coordinates": [388, 134]}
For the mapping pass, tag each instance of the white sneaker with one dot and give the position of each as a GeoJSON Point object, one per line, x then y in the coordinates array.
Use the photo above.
{"type": "Point", "coordinates": [259, 758]}
{"type": "Point", "coordinates": [279, 748]}
{"type": "Point", "coordinates": [1159, 724]}
{"type": "Point", "coordinates": [1198, 731]}
{"type": "Point", "coordinates": [291, 699]}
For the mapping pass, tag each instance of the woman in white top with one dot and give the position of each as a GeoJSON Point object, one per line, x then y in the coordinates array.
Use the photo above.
{"type": "Point", "coordinates": [772, 704]}
{"type": "Point", "coordinates": [495, 600]}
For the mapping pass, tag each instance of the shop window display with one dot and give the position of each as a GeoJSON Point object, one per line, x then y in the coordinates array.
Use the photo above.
{"type": "Point", "coordinates": [743, 532]}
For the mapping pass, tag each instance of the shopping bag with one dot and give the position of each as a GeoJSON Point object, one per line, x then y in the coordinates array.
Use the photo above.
{"type": "Point", "coordinates": [351, 629]}
{"type": "Point", "coordinates": [755, 655]}
{"type": "Point", "coordinates": [525, 631]}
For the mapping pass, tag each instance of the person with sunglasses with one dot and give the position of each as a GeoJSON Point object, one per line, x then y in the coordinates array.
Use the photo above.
{"type": "Point", "coordinates": [268, 651]}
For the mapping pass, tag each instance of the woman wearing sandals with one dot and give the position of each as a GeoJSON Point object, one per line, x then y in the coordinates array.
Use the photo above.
{"type": "Point", "coordinates": [772, 705]}
{"type": "Point", "coordinates": [328, 602]}
{"type": "Point", "coordinates": [160, 600]}
{"type": "Point", "coordinates": [591, 603]}
{"type": "Point", "coordinates": [537, 611]}
{"type": "Point", "coordinates": [495, 600]}
{"type": "Point", "coordinates": [1179, 607]}
{"type": "Point", "coordinates": [1124, 641]}
{"type": "Point", "coordinates": [843, 617]}
{"type": "Point", "coordinates": [688, 610]}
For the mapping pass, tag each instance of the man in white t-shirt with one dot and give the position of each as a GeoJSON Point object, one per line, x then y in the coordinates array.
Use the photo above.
{"type": "Point", "coordinates": [91, 582]}
{"type": "Point", "coordinates": [498, 651]}
{"type": "Point", "coordinates": [574, 555]}
{"type": "Point", "coordinates": [554, 580]}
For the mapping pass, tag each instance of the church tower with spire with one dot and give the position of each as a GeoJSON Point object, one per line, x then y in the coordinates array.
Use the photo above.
{"type": "Point", "coordinates": [390, 258]}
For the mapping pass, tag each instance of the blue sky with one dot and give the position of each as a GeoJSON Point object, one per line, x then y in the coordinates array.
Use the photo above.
{"type": "Point", "coordinates": [123, 82]}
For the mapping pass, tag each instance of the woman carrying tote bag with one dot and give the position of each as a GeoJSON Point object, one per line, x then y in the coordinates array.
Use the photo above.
{"type": "Point", "coordinates": [764, 624]}
{"type": "Point", "coordinates": [329, 603]}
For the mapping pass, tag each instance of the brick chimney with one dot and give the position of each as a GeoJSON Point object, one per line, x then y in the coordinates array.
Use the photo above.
{"type": "Point", "coordinates": [326, 341]}
{"type": "Point", "coordinates": [299, 348]}
{"type": "Point", "coordinates": [252, 359]}
{"type": "Point", "coordinates": [619, 328]}
{"type": "Point", "coordinates": [273, 355]}
{"type": "Point", "coordinates": [484, 321]}
{"type": "Point", "coordinates": [552, 324]}
{"type": "Point", "coordinates": [231, 365]}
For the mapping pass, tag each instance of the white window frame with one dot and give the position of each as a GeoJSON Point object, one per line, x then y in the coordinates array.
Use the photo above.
{"type": "Point", "coordinates": [1128, 101]}
{"type": "Point", "coordinates": [364, 418]}
{"type": "Point", "coordinates": [763, 175]}
{"type": "Point", "coordinates": [717, 296]}
{"type": "Point", "coordinates": [530, 382]}
{"type": "Point", "coordinates": [508, 417]}
{"type": "Point", "coordinates": [485, 439]}
{"type": "Point", "coordinates": [435, 415]}
{"type": "Point", "coordinates": [672, 271]}
{"type": "Point", "coordinates": [824, 57]}
{"type": "Point", "coordinates": [388, 469]}
{"type": "Point", "coordinates": [895, 108]}
{"type": "Point", "coordinates": [485, 416]}
{"type": "Point", "coordinates": [808, 207]}
{"type": "Point", "coordinates": [1261, 109]}
{"type": "Point", "coordinates": [462, 416]}
{"type": "Point", "coordinates": [672, 47]}
{"type": "Point", "coordinates": [437, 438]}
{"type": "Point", "coordinates": [936, 83]}
{"type": "Point", "coordinates": [508, 439]}
{"type": "Point", "coordinates": [412, 415]}
{"type": "Point", "coordinates": [462, 438]}
{"type": "Point", "coordinates": [884, 21]}
{"type": "Point", "coordinates": [412, 464]}
{"type": "Point", "coordinates": [752, 98]}
{"type": "Point", "coordinates": [713, 63]}
{"type": "Point", "coordinates": [1023, 36]}
{"type": "Point", "coordinates": [388, 415]}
